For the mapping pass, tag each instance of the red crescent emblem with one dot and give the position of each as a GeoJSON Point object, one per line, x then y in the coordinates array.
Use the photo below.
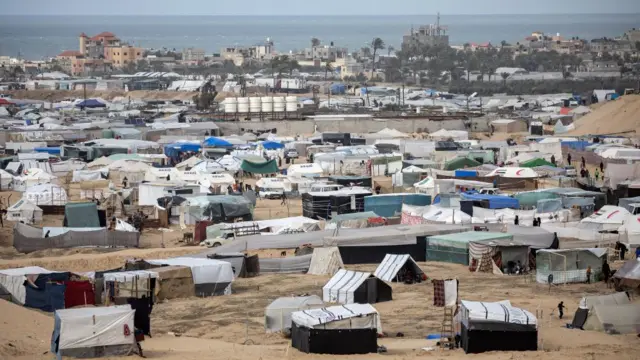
{"type": "Point", "coordinates": [519, 171]}
{"type": "Point", "coordinates": [613, 213]}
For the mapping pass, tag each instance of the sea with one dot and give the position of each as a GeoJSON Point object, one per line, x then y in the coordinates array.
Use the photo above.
{"type": "Point", "coordinates": [42, 37]}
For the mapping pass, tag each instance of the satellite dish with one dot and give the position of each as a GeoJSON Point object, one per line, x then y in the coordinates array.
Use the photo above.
{"type": "Point", "coordinates": [550, 279]}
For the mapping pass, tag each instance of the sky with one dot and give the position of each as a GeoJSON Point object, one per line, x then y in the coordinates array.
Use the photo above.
{"type": "Point", "coordinates": [328, 7]}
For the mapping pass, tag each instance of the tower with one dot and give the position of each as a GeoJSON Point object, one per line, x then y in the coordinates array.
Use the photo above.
{"type": "Point", "coordinates": [83, 44]}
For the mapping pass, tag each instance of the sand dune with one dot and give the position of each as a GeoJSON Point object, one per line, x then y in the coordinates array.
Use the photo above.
{"type": "Point", "coordinates": [614, 117]}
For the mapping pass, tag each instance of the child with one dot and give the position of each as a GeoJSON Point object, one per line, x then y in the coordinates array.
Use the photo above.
{"type": "Point", "coordinates": [589, 274]}
{"type": "Point", "coordinates": [561, 309]}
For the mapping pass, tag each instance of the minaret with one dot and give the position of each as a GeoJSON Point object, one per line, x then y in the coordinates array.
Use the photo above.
{"type": "Point", "coordinates": [83, 44]}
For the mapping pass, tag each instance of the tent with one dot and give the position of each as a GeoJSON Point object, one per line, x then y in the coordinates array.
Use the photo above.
{"type": "Point", "coordinates": [174, 282]}
{"type": "Point", "coordinates": [536, 162]}
{"type": "Point", "coordinates": [304, 170]}
{"type": "Point", "coordinates": [455, 248]}
{"type": "Point", "coordinates": [94, 332]}
{"type": "Point", "coordinates": [91, 103]}
{"type": "Point", "coordinates": [211, 277]}
{"type": "Point", "coordinates": [266, 167]}
{"type": "Point", "coordinates": [628, 276]}
{"type": "Point", "coordinates": [35, 287]}
{"type": "Point", "coordinates": [338, 330]}
{"type": "Point", "coordinates": [277, 315]}
{"type": "Point", "coordinates": [514, 173]}
{"type": "Point", "coordinates": [348, 287]}
{"type": "Point", "coordinates": [460, 162]}
{"type": "Point", "coordinates": [272, 145]}
{"type": "Point", "coordinates": [81, 215]}
{"type": "Point", "coordinates": [491, 201]}
{"type": "Point", "coordinates": [496, 327]}
{"type": "Point", "coordinates": [25, 211]}
{"type": "Point", "coordinates": [614, 319]}
{"type": "Point", "coordinates": [325, 261]}
{"type": "Point", "coordinates": [399, 268]}
{"type": "Point", "coordinates": [216, 142]}
{"type": "Point", "coordinates": [46, 194]}
{"type": "Point", "coordinates": [569, 265]}
{"type": "Point", "coordinates": [243, 266]}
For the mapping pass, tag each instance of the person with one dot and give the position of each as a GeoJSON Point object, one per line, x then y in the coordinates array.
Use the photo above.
{"type": "Point", "coordinates": [561, 309]}
{"type": "Point", "coordinates": [589, 274]}
{"type": "Point", "coordinates": [601, 167]}
{"type": "Point", "coordinates": [539, 222]}
{"type": "Point", "coordinates": [535, 222]}
{"type": "Point", "coordinates": [569, 159]}
{"type": "Point", "coordinates": [47, 234]}
{"type": "Point", "coordinates": [597, 174]}
{"type": "Point", "coordinates": [284, 198]}
{"type": "Point", "coordinates": [586, 173]}
{"type": "Point", "coordinates": [553, 160]}
{"type": "Point", "coordinates": [516, 221]}
{"type": "Point", "coordinates": [584, 163]}
{"type": "Point", "coordinates": [519, 268]}
{"type": "Point", "coordinates": [606, 272]}
{"type": "Point", "coordinates": [124, 182]}
{"type": "Point", "coordinates": [622, 248]}
{"type": "Point", "coordinates": [638, 252]}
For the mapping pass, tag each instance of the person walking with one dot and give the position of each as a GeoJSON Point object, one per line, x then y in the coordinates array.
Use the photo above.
{"type": "Point", "coordinates": [553, 160]}
{"type": "Point", "coordinates": [569, 159]}
{"type": "Point", "coordinates": [516, 221]}
{"type": "Point", "coordinates": [602, 167]}
{"type": "Point", "coordinates": [561, 309]}
{"type": "Point", "coordinates": [589, 274]}
{"type": "Point", "coordinates": [606, 272]}
{"type": "Point", "coordinates": [584, 162]}
{"type": "Point", "coordinates": [597, 174]}
{"type": "Point", "coordinates": [284, 198]}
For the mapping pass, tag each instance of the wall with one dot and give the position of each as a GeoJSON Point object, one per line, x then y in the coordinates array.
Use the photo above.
{"type": "Point", "coordinates": [299, 127]}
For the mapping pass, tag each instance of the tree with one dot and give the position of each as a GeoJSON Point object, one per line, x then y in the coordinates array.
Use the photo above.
{"type": "Point", "coordinates": [505, 76]}
{"type": "Point", "coordinates": [130, 68]}
{"type": "Point", "coordinates": [315, 42]}
{"type": "Point", "coordinates": [390, 49]}
{"type": "Point", "coordinates": [142, 65]}
{"type": "Point", "coordinates": [376, 44]}
{"type": "Point", "coordinates": [292, 64]}
{"type": "Point", "coordinates": [327, 69]}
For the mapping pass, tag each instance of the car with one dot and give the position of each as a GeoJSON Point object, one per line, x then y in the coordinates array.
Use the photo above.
{"type": "Point", "coordinates": [489, 191]}
{"type": "Point", "coordinates": [291, 153]}
{"type": "Point", "coordinates": [271, 194]}
{"type": "Point", "coordinates": [225, 238]}
{"type": "Point", "coordinates": [570, 171]}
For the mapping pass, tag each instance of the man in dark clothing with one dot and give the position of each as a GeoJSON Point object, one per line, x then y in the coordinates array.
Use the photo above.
{"type": "Point", "coordinates": [284, 198]}
{"type": "Point", "coordinates": [602, 168]}
{"type": "Point", "coordinates": [569, 159]}
{"type": "Point", "coordinates": [622, 248]}
{"type": "Point", "coordinates": [553, 160]}
{"type": "Point", "coordinates": [606, 272]}
{"type": "Point", "coordinates": [561, 309]}
{"type": "Point", "coordinates": [535, 222]}
{"type": "Point", "coordinates": [584, 162]}
{"type": "Point", "coordinates": [516, 221]}
{"type": "Point", "coordinates": [539, 222]}
{"type": "Point", "coordinates": [124, 182]}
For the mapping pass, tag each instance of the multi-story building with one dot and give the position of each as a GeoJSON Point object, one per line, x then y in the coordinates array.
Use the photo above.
{"type": "Point", "coordinates": [325, 53]}
{"type": "Point", "coordinates": [123, 55]}
{"type": "Point", "coordinates": [611, 46]}
{"type": "Point", "coordinates": [193, 55]}
{"type": "Point", "coordinates": [238, 54]}
{"type": "Point", "coordinates": [429, 35]}
{"type": "Point", "coordinates": [103, 50]}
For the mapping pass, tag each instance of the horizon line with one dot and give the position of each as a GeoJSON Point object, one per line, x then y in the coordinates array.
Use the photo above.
{"type": "Point", "coordinates": [332, 15]}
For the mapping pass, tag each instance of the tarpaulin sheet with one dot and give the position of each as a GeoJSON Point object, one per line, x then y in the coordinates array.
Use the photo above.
{"type": "Point", "coordinates": [267, 167]}
{"type": "Point", "coordinates": [548, 205]}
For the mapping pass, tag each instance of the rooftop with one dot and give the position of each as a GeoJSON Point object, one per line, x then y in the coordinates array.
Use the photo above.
{"type": "Point", "coordinates": [70, 53]}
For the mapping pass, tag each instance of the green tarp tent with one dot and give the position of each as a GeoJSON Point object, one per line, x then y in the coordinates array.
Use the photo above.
{"type": "Point", "coordinates": [81, 215]}
{"type": "Point", "coordinates": [536, 162]}
{"type": "Point", "coordinates": [267, 167]}
{"type": "Point", "coordinates": [460, 162]}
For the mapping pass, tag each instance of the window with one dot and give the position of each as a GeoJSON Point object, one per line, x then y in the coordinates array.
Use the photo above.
{"type": "Point", "coordinates": [125, 54]}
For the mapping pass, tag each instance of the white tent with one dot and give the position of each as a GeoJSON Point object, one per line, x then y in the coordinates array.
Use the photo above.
{"type": "Point", "coordinates": [13, 281]}
{"type": "Point", "coordinates": [305, 170]}
{"type": "Point", "coordinates": [208, 167]}
{"type": "Point", "coordinates": [32, 177]}
{"type": "Point", "coordinates": [395, 268]}
{"type": "Point", "coordinates": [6, 180]}
{"type": "Point", "coordinates": [325, 261]}
{"type": "Point", "coordinates": [608, 215]}
{"type": "Point", "coordinates": [211, 277]}
{"type": "Point", "coordinates": [445, 135]}
{"type": "Point", "coordinates": [222, 180]}
{"type": "Point", "coordinates": [495, 311]}
{"type": "Point", "coordinates": [189, 163]}
{"type": "Point", "coordinates": [621, 153]}
{"type": "Point", "coordinates": [274, 184]}
{"type": "Point", "coordinates": [230, 163]}
{"type": "Point", "coordinates": [25, 211]}
{"type": "Point", "coordinates": [277, 315]}
{"type": "Point", "coordinates": [83, 332]}
{"type": "Point", "coordinates": [350, 316]}
{"type": "Point", "coordinates": [46, 194]}
{"type": "Point", "coordinates": [161, 174]}
{"type": "Point", "coordinates": [414, 169]}
{"type": "Point", "coordinates": [514, 173]}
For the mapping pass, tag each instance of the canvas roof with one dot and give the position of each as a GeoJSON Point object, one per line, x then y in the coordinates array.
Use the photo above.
{"type": "Point", "coordinates": [496, 311]}
{"type": "Point", "coordinates": [320, 317]}
{"type": "Point", "coordinates": [325, 261]}
{"type": "Point", "coordinates": [342, 285]}
{"type": "Point", "coordinates": [461, 240]}
{"type": "Point", "coordinates": [391, 264]}
{"type": "Point", "coordinates": [514, 173]}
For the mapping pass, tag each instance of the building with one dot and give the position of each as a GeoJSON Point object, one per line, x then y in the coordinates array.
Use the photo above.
{"type": "Point", "coordinates": [325, 53]}
{"type": "Point", "coordinates": [238, 54]}
{"type": "Point", "coordinates": [431, 35]}
{"type": "Point", "coordinates": [104, 51]}
{"type": "Point", "coordinates": [66, 59]}
{"type": "Point", "coordinates": [603, 66]}
{"type": "Point", "coordinates": [121, 56]}
{"type": "Point", "coordinates": [610, 46]}
{"type": "Point", "coordinates": [193, 55]}
{"type": "Point", "coordinates": [632, 36]}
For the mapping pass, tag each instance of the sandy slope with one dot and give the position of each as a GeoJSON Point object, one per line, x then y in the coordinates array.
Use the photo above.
{"type": "Point", "coordinates": [613, 117]}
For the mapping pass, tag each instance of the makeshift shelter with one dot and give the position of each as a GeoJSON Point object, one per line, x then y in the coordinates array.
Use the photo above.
{"type": "Point", "coordinates": [496, 327]}
{"type": "Point", "coordinates": [325, 261]}
{"type": "Point", "coordinates": [500, 250]}
{"type": "Point", "coordinates": [491, 201]}
{"type": "Point", "coordinates": [243, 266]}
{"type": "Point", "coordinates": [628, 276]}
{"type": "Point", "coordinates": [35, 287]}
{"type": "Point", "coordinates": [460, 162]}
{"type": "Point", "coordinates": [266, 167]}
{"type": "Point", "coordinates": [24, 211]}
{"type": "Point", "coordinates": [32, 177]}
{"type": "Point", "coordinates": [286, 265]}
{"type": "Point", "coordinates": [304, 170]}
{"type": "Point", "coordinates": [509, 126]}
{"type": "Point", "coordinates": [348, 287]}
{"type": "Point", "coordinates": [174, 282]}
{"type": "Point", "coordinates": [514, 173]}
{"type": "Point", "coordinates": [399, 268]}
{"type": "Point", "coordinates": [535, 163]}
{"type": "Point", "coordinates": [91, 104]}
{"type": "Point", "coordinates": [92, 332]}
{"type": "Point", "coordinates": [46, 194]}
{"type": "Point", "coordinates": [569, 265]}
{"type": "Point", "coordinates": [389, 205]}
{"type": "Point", "coordinates": [216, 142]}
{"type": "Point", "coordinates": [338, 330]}
{"type": "Point", "coordinates": [455, 248]}
{"type": "Point", "coordinates": [272, 145]}
{"type": "Point", "coordinates": [211, 277]}
{"type": "Point", "coordinates": [277, 315]}
{"type": "Point", "coordinates": [611, 313]}
{"type": "Point", "coordinates": [81, 215]}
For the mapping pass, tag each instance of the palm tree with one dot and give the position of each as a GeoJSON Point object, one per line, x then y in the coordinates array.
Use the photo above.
{"type": "Point", "coordinates": [292, 64]}
{"type": "Point", "coordinates": [376, 44]}
{"type": "Point", "coordinates": [390, 49]}
{"type": "Point", "coordinates": [505, 76]}
{"type": "Point", "coordinates": [327, 69]}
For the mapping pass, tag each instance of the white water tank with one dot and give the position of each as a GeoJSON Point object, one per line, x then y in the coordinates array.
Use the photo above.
{"type": "Point", "coordinates": [291, 104]}
{"type": "Point", "coordinates": [243, 105]}
{"type": "Point", "coordinates": [255, 104]}
{"type": "Point", "coordinates": [230, 105]}
{"type": "Point", "coordinates": [278, 104]}
{"type": "Point", "coordinates": [267, 104]}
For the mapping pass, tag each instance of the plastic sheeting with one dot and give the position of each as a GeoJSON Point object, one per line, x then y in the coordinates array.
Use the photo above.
{"type": "Point", "coordinates": [277, 315]}
{"type": "Point", "coordinates": [548, 205]}
{"type": "Point", "coordinates": [495, 311]}
{"type": "Point", "coordinates": [294, 264]}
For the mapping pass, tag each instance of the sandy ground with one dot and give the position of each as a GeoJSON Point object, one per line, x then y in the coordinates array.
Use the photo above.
{"type": "Point", "coordinates": [58, 95]}
{"type": "Point", "coordinates": [231, 327]}
{"type": "Point", "coordinates": [621, 116]}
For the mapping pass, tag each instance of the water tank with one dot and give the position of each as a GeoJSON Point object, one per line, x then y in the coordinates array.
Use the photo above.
{"type": "Point", "coordinates": [267, 104]}
{"type": "Point", "coordinates": [292, 104]}
{"type": "Point", "coordinates": [230, 105]}
{"type": "Point", "coordinates": [278, 104]}
{"type": "Point", "coordinates": [243, 105]}
{"type": "Point", "coordinates": [255, 104]}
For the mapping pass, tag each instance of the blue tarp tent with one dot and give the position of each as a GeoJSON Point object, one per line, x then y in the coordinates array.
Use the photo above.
{"type": "Point", "coordinates": [90, 103]}
{"type": "Point", "coordinates": [338, 89]}
{"type": "Point", "coordinates": [216, 142]}
{"type": "Point", "coordinates": [46, 292]}
{"type": "Point", "coordinates": [466, 173]}
{"type": "Point", "coordinates": [272, 145]}
{"type": "Point", "coordinates": [579, 145]}
{"type": "Point", "coordinates": [50, 150]}
{"type": "Point", "coordinates": [173, 150]}
{"type": "Point", "coordinates": [495, 201]}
